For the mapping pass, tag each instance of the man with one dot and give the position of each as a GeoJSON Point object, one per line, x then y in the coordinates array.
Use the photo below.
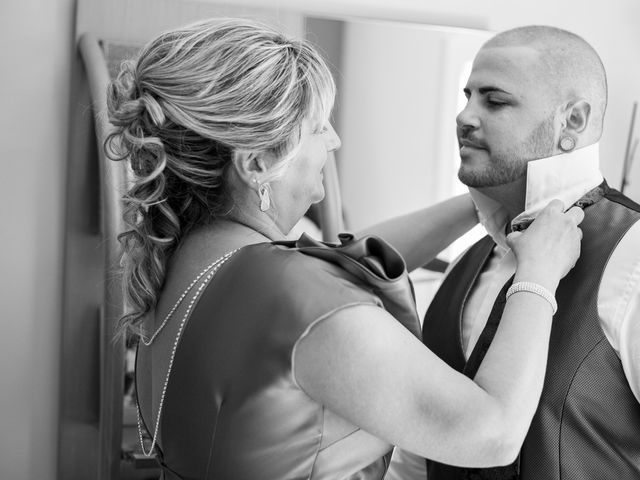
{"type": "Point", "coordinates": [528, 134]}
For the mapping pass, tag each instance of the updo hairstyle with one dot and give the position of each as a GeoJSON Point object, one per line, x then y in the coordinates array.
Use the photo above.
{"type": "Point", "coordinates": [192, 98]}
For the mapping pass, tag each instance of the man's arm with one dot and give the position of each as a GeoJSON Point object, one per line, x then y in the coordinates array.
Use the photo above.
{"type": "Point", "coordinates": [619, 305]}
{"type": "Point", "coordinates": [421, 235]}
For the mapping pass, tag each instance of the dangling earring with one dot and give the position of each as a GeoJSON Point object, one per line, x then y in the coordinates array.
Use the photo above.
{"type": "Point", "coordinates": [265, 199]}
{"type": "Point", "coordinates": [567, 143]}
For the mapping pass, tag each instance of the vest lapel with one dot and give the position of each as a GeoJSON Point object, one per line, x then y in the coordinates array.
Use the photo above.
{"type": "Point", "coordinates": [448, 303]}
{"type": "Point", "coordinates": [488, 332]}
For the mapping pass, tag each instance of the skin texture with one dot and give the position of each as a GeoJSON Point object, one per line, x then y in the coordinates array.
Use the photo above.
{"type": "Point", "coordinates": [293, 187]}
{"type": "Point", "coordinates": [517, 111]}
{"type": "Point", "coordinates": [506, 121]}
{"type": "Point", "coordinates": [301, 183]}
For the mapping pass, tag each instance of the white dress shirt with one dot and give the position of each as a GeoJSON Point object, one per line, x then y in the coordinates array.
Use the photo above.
{"type": "Point", "coordinates": [566, 177]}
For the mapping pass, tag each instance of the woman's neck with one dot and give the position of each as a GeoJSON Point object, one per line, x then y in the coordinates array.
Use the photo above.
{"type": "Point", "coordinates": [260, 226]}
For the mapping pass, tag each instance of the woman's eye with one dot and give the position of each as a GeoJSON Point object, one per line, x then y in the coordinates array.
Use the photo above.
{"type": "Point", "coordinates": [322, 129]}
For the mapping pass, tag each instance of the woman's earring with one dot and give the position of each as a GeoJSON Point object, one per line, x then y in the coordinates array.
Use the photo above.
{"type": "Point", "coordinates": [567, 143]}
{"type": "Point", "coordinates": [265, 199]}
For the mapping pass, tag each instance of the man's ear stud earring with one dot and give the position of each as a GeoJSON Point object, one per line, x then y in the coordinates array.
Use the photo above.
{"type": "Point", "coordinates": [567, 143]}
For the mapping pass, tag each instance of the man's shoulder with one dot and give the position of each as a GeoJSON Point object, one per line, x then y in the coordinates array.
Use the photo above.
{"type": "Point", "coordinates": [618, 197]}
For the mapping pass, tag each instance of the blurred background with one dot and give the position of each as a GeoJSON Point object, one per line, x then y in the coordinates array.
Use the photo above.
{"type": "Point", "coordinates": [400, 67]}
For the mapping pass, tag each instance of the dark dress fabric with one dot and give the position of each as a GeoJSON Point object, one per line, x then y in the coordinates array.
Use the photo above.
{"type": "Point", "coordinates": [233, 409]}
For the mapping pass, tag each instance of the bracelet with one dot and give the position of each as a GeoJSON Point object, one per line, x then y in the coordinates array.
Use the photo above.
{"type": "Point", "coordinates": [534, 288]}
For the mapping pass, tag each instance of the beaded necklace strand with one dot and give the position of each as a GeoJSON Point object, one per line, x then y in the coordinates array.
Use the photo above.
{"type": "Point", "coordinates": [209, 271]}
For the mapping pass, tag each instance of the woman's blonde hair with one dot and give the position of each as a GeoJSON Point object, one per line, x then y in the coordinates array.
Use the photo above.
{"type": "Point", "coordinates": [192, 98]}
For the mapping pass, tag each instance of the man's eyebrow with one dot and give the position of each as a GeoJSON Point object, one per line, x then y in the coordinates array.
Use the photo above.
{"type": "Point", "coordinates": [485, 90]}
{"type": "Point", "coordinates": [490, 89]}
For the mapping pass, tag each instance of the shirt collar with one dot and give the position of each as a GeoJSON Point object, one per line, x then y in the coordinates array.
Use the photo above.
{"type": "Point", "coordinates": [566, 177]}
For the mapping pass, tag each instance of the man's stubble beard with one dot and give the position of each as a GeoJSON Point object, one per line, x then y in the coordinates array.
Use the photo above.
{"type": "Point", "coordinates": [507, 167]}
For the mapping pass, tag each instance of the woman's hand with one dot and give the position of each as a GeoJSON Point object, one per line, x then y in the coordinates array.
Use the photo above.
{"type": "Point", "coordinates": [550, 247]}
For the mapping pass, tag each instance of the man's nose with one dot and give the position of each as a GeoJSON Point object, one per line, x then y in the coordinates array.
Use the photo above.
{"type": "Point", "coordinates": [467, 119]}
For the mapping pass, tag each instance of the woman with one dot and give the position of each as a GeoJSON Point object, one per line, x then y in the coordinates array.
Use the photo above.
{"type": "Point", "coordinates": [266, 359]}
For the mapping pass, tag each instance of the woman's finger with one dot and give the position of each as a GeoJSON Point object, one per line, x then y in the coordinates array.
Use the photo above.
{"type": "Point", "coordinates": [555, 206]}
{"type": "Point", "coordinates": [576, 214]}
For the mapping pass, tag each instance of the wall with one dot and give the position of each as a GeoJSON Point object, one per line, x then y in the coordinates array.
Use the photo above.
{"type": "Point", "coordinates": [136, 21]}
{"type": "Point", "coordinates": [36, 45]}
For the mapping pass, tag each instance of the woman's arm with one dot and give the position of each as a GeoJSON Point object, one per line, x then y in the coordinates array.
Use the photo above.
{"type": "Point", "coordinates": [421, 235]}
{"type": "Point", "coordinates": [363, 365]}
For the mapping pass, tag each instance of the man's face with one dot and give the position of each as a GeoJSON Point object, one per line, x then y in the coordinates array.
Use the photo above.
{"type": "Point", "coordinates": [508, 120]}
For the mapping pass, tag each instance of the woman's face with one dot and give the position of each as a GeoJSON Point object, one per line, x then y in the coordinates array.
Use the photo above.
{"type": "Point", "coordinates": [301, 183]}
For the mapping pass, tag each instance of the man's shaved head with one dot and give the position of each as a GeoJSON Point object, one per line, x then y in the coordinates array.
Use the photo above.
{"type": "Point", "coordinates": [568, 65]}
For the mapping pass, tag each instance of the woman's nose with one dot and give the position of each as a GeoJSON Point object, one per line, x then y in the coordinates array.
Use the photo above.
{"type": "Point", "coordinates": [333, 140]}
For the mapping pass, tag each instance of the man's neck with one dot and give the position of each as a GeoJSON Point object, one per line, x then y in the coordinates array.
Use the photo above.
{"type": "Point", "coordinates": [511, 196]}
{"type": "Point", "coordinates": [565, 177]}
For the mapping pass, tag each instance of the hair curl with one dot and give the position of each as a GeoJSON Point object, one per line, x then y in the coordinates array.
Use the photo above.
{"type": "Point", "coordinates": [192, 98]}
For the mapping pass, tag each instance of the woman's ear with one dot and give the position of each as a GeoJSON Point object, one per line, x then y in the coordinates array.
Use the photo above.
{"type": "Point", "coordinates": [249, 166]}
{"type": "Point", "coordinates": [577, 117]}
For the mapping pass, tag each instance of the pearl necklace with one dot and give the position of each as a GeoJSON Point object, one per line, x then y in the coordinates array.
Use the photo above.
{"type": "Point", "coordinates": [212, 268]}
{"type": "Point", "coordinates": [184, 294]}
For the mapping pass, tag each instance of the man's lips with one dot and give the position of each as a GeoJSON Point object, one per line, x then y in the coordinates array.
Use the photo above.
{"type": "Point", "coordinates": [468, 143]}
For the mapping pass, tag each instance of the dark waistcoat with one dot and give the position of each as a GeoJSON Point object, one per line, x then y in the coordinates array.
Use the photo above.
{"type": "Point", "coordinates": [587, 425]}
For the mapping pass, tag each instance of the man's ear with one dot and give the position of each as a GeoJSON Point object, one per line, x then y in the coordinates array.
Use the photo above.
{"type": "Point", "coordinates": [249, 166]}
{"type": "Point", "coordinates": [577, 117]}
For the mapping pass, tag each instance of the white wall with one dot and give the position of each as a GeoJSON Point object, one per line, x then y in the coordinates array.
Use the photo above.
{"type": "Point", "coordinates": [36, 45]}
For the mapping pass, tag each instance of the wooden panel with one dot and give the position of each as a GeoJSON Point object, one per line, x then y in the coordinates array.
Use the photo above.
{"type": "Point", "coordinates": [82, 297]}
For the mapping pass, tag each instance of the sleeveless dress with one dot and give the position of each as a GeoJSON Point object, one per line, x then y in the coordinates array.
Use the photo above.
{"type": "Point", "coordinates": [233, 409]}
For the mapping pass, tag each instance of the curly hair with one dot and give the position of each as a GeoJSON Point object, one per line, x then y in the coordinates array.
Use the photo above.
{"type": "Point", "coordinates": [192, 98]}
